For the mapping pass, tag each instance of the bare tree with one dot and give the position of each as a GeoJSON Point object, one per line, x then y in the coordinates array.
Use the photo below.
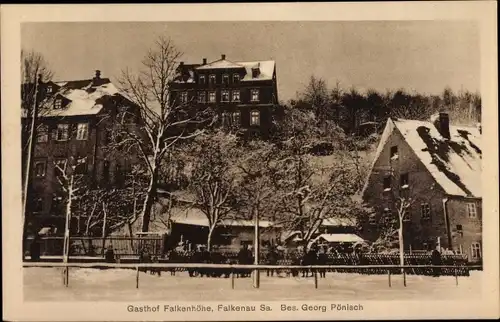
{"type": "Point", "coordinates": [214, 178]}
{"type": "Point", "coordinates": [313, 189]}
{"type": "Point", "coordinates": [34, 72]}
{"type": "Point", "coordinates": [164, 120]}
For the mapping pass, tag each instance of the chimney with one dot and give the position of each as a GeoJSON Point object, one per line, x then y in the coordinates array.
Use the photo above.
{"type": "Point", "coordinates": [442, 123]}
{"type": "Point", "coordinates": [97, 74]}
{"type": "Point", "coordinates": [204, 61]}
{"type": "Point", "coordinates": [223, 56]}
{"type": "Point", "coordinates": [255, 72]}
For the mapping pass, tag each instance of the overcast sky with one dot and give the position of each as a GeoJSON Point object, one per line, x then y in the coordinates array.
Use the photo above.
{"type": "Point", "coordinates": [418, 56]}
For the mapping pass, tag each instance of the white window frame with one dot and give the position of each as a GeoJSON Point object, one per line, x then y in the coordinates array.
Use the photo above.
{"type": "Point", "coordinates": [82, 131]}
{"type": "Point", "coordinates": [236, 78]}
{"type": "Point", "coordinates": [225, 76]}
{"type": "Point", "coordinates": [184, 97]}
{"type": "Point", "coordinates": [35, 168]}
{"type": "Point", "coordinates": [472, 210]}
{"type": "Point", "coordinates": [236, 118]}
{"type": "Point", "coordinates": [42, 134]}
{"type": "Point", "coordinates": [58, 104]}
{"type": "Point", "coordinates": [214, 96]}
{"type": "Point", "coordinates": [255, 118]}
{"type": "Point", "coordinates": [254, 92]}
{"type": "Point", "coordinates": [65, 130]}
{"type": "Point", "coordinates": [475, 250]}
{"type": "Point", "coordinates": [212, 77]}
{"type": "Point", "coordinates": [202, 79]}
{"type": "Point", "coordinates": [202, 94]}
{"type": "Point", "coordinates": [228, 97]}
{"type": "Point", "coordinates": [425, 211]}
{"type": "Point", "coordinates": [238, 95]}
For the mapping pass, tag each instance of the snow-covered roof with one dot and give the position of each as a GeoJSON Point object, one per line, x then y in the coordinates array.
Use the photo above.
{"type": "Point", "coordinates": [222, 63]}
{"type": "Point", "coordinates": [194, 216]}
{"type": "Point", "coordinates": [82, 98]}
{"type": "Point", "coordinates": [455, 164]}
{"type": "Point", "coordinates": [340, 238]}
{"type": "Point", "coordinates": [266, 69]}
{"type": "Point", "coordinates": [339, 222]}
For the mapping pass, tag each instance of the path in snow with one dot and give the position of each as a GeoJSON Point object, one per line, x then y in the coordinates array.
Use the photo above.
{"type": "Point", "coordinates": [45, 284]}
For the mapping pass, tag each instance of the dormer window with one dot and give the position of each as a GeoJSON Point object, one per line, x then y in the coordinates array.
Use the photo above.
{"type": "Point", "coordinates": [58, 104]}
{"type": "Point", "coordinates": [394, 152]}
{"type": "Point", "coordinates": [255, 72]}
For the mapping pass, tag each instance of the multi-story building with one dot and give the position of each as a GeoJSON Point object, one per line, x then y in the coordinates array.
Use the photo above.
{"type": "Point", "coordinates": [242, 93]}
{"type": "Point", "coordinates": [435, 169]}
{"type": "Point", "coordinates": [73, 130]}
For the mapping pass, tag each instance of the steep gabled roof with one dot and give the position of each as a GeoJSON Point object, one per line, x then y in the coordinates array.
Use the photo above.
{"type": "Point", "coordinates": [455, 164]}
{"type": "Point", "coordinates": [82, 96]}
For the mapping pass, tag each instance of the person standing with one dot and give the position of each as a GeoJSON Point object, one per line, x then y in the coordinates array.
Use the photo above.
{"type": "Point", "coordinates": [35, 248]}
{"type": "Point", "coordinates": [436, 261]}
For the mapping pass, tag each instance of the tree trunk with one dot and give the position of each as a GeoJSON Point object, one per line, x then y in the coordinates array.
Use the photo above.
{"type": "Point", "coordinates": [149, 200]}
{"type": "Point", "coordinates": [209, 238]}
{"type": "Point", "coordinates": [68, 221]}
{"type": "Point", "coordinates": [401, 243]}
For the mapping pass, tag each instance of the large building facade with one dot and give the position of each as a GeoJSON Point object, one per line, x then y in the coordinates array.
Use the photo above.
{"type": "Point", "coordinates": [435, 168]}
{"type": "Point", "coordinates": [243, 94]}
{"type": "Point", "coordinates": [74, 131]}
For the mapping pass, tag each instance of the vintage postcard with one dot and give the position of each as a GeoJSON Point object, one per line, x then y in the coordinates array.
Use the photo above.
{"type": "Point", "coordinates": [319, 161]}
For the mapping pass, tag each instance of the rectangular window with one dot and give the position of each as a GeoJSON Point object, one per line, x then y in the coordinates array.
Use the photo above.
{"type": "Point", "coordinates": [476, 250]}
{"type": "Point", "coordinates": [404, 180]}
{"type": "Point", "coordinates": [211, 97]}
{"type": "Point", "coordinates": [425, 209]}
{"type": "Point", "coordinates": [105, 172]}
{"type": "Point", "coordinates": [387, 215]}
{"type": "Point", "coordinates": [42, 134]}
{"type": "Point", "coordinates": [254, 118]}
{"type": "Point", "coordinates": [81, 165]}
{"type": "Point", "coordinates": [387, 183]}
{"type": "Point", "coordinates": [40, 169]}
{"type": "Point", "coordinates": [225, 118]}
{"type": "Point", "coordinates": [82, 131]}
{"type": "Point", "coordinates": [254, 95]}
{"type": "Point", "coordinates": [57, 203]}
{"type": "Point", "coordinates": [202, 97]}
{"type": "Point", "coordinates": [406, 215]}
{"type": "Point", "coordinates": [49, 89]}
{"type": "Point", "coordinates": [201, 79]}
{"type": "Point", "coordinates": [58, 104]}
{"type": "Point", "coordinates": [211, 78]}
{"type": "Point", "coordinates": [236, 118]}
{"type": "Point", "coordinates": [236, 96]}
{"type": "Point", "coordinates": [471, 209]}
{"type": "Point", "coordinates": [38, 204]}
{"type": "Point", "coordinates": [236, 78]}
{"type": "Point", "coordinates": [60, 167]}
{"type": "Point", "coordinates": [460, 230]}
{"type": "Point", "coordinates": [184, 97]}
{"type": "Point", "coordinates": [394, 152]}
{"type": "Point", "coordinates": [224, 96]}
{"type": "Point", "coordinates": [225, 79]}
{"type": "Point", "coordinates": [62, 132]}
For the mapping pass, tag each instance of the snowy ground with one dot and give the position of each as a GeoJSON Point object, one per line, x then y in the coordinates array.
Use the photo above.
{"type": "Point", "coordinates": [45, 284]}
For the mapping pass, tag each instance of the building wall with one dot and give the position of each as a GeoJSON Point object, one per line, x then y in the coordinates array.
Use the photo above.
{"type": "Point", "coordinates": [268, 96]}
{"type": "Point", "coordinates": [419, 233]}
{"type": "Point", "coordinates": [458, 214]}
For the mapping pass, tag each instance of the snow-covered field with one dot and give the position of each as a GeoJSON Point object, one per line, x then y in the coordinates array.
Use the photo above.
{"type": "Point", "coordinates": [45, 284]}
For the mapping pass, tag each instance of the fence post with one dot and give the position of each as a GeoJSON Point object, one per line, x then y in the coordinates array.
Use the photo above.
{"type": "Point", "coordinates": [404, 277]}
{"type": "Point", "coordinates": [232, 278]}
{"type": "Point", "coordinates": [389, 276]}
{"type": "Point", "coordinates": [456, 276]}
{"type": "Point", "coordinates": [137, 277]}
{"type": "Point", "coordinates": [315, 279]}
